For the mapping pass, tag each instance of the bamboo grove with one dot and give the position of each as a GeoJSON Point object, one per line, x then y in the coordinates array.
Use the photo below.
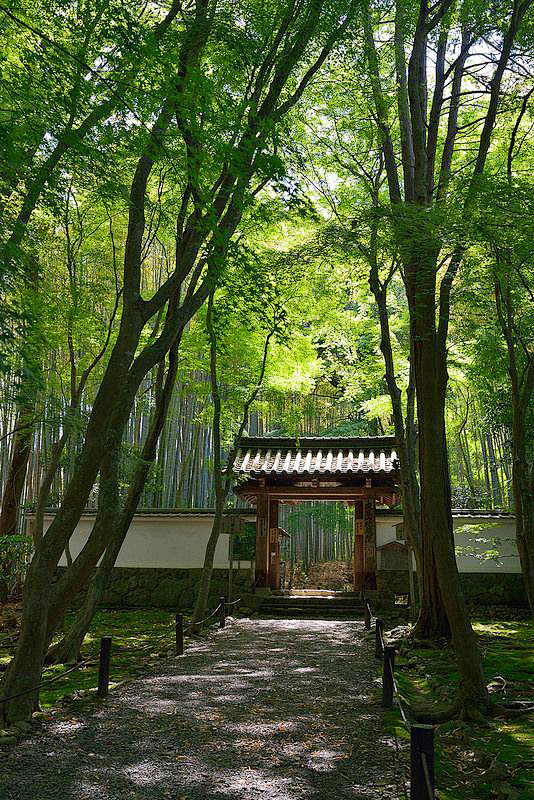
{"type": "Point", "coordinates": [223, 218]}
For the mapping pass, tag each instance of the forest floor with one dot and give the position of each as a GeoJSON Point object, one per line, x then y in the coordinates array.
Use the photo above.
{"type": "Point", "coordinates": [486, 763]}
{"type": "Point", "coordinates": [141, 637]}
{"type": "Point", "coordinates": [278, 709]}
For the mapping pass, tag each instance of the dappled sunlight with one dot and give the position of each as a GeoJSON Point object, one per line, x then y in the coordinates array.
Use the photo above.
{"type": "Point", "coordinates": [147, 773]}
{"type": "Point", "coordinates": [68, 727]}
{"type": "Point", "coordinates": [262, 729]}
{"type": "Point", "coordinates": [252, 783]}
{"type": "Point", "coordinates": [279, 709]}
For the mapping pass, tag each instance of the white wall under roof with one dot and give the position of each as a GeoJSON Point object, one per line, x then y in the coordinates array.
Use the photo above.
{"type": "Point", "coordinates": [475, 540]}
{"type": "Point", "coordinates": [179, 542]}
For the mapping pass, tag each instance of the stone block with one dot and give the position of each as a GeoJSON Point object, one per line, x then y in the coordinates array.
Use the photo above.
{"type": "Point", "coordinates": [166, 594]}
{"type": "Point", "coordinates": [187, 598]}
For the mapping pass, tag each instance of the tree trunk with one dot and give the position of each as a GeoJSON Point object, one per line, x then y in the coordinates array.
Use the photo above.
{"type": "Point", "coordinates": [463, 444]}
{"type": "Point", "coordinates": [486, 468]}
{"type": "Point", "coordinates": [522, 390]}
{"type": "Point", "coordinates": [69, 648]}
{"type": "Point", "coordinates": [495, 482]}
{"type": "Point", "coordinates": [207, 569]}
{"type": "Point", "coordinates": [436, 516]}
{"type": "Point", "coordinates": [432, 620]}
{"type": "Point", "coordinates": [16, 476]}
{"type": "Point", "coordinates": [523, 488]}
{"type": "Point", "coordinates": [25, 669]}
{"type": "Point", "coordinates": [25, 402]}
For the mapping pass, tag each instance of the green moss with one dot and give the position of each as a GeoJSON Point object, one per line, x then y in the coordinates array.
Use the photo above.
{"type": "Point", "coordinates": [487, 763]}
{"type": "Point", "coordinates": [137, 635]}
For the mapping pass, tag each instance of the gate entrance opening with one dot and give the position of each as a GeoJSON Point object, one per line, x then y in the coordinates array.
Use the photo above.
{"type": "Point", "coordinates": [361, 471]}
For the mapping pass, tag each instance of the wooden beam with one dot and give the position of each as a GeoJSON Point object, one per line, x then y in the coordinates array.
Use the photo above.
{"type": "Point", "coordinates": [358, 554]}
{"type": "Point", "coordinates": [369, 535]}
{"type": "Point", "coordinates": [262, 541]}
{"type": "Point", "coordinates": [310, 492]}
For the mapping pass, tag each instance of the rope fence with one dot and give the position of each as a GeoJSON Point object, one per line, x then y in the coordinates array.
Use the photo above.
{"type": "Point", "coordinates": [421, 736]}
{"type": "Point", "coordinates": [422, 785]}
{"type": "Point", "coordinates": [104, 657]}
{"type": "Point", "coordinates": [80, 665]}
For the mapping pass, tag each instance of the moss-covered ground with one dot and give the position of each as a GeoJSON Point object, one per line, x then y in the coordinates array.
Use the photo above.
{"type": "Point", "coordinates": [473, 762]}
{"type": "Point", "coordinates": [476, 762]}
{"type": "Point", "coordinates": [139, 637]}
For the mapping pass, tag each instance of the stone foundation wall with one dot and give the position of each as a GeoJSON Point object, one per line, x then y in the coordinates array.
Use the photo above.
{"type": "Point", "coordinates": [489, 589]}
{"type": "Point", "coordinates": [168, 588]}
{"type": "Point", "coordinates": [483, 588]}
{"type": "Point", "coordinates": [390, 580]}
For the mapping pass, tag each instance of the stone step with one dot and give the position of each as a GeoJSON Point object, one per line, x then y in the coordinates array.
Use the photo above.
{"type": "Point", "coordinates": [313, 602]}
{"type": "Point", "coordinates": [310, 613]}
{"type": "Point", "coordinates": [301, 605]}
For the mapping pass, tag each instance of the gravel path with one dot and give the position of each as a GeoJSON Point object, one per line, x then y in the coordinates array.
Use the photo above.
{"type": "Point", "coordinates": [263, 710]}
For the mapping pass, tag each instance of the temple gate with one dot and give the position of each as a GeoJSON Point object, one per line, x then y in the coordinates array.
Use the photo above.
{"type": "Point", "coordinates": [360, 471]}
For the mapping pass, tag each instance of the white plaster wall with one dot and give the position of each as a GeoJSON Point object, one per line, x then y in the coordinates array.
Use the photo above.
{"type": "Point", "coordinates": [174, 542]}
{"type": "Point", "coordinates": [179, 542]}
{"type": "Point", "coordinates": [469, 543]}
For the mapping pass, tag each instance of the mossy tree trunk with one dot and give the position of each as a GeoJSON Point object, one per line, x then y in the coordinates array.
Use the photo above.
{"type": "Point", "coordinates": [222, 472]}
{"type": "Point", "coordinates": [68, 649]}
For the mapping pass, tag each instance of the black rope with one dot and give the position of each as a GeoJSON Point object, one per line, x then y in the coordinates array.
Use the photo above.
{"type": "Point", "coordinates": [401, 709]}
{"type": "Point", "coordinates": [397, 694]}
{"type": "Point", "coordinates": [150, 645]}
{"type": "Point", "coordinates": [202, 621]}
{"type": "Point", "coordinates": [89, 662]}
{"type": "Point", "coordinates": [80, 665]}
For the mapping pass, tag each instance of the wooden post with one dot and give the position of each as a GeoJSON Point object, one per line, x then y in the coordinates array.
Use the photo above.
{"type": "Point", "coordinates": [274, 545]}
{"type": "Point", "coordinates": [422, 747]}
{"type": "Point", "coordinates": [367, 613]}
{"type": "Point", "coordinates": [387, 676]}
{"type": "Point", "coordinates": [103, 666]}
{"type": "Point", "coordinates": [379, 631]}
{"type": "Point", "coordinates": [358, 550]}
{"type": "Point", "coordinates": [231, 570]}
{"type": "Point", "coordinates": [179, 635]}
{"type": "Point", "coordinates": [369, 536]}
{"type": "Point", "coordinates": [222, 612]}
{"type": "Point", "coordinates": [262, 540]}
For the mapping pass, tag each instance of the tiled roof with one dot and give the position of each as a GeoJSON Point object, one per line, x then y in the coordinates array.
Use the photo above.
{"type": "Point", "coordinates": [316, 456]}
{"type": "Point", "coordinates": [162, 512]}
{"type": "Point", "coordinates": [477, 513]}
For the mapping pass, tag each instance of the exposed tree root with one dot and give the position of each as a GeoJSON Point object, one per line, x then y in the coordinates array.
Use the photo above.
{"type": "Point", "coordinates": [436, 717]}
{"type": "Point", "coordinates": [423, 633]}
{"type": "Point", "coordinates": [470, 713]}
{"type": "Point", "coordinates": [59, 654]}
{"type": "Point", "coordinates": [513, 709]}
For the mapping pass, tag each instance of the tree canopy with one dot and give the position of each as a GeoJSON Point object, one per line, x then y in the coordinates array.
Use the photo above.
{"type": "Point", "coordinates": [221, 218]}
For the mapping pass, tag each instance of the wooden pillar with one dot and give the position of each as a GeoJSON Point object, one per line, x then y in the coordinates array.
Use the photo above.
{"type": "Point", "coordinates": [274, 546]}
{"type": "Point", "coordinates": [369, 535]}
{"type": "Point", "coordinates": [262, 540]}
{"type": "Point", "coordinates": [358, 552]}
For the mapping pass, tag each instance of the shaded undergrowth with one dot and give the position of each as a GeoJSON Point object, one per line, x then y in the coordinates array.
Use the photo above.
{"type": "Point", "coordinates": [140, 637]}
{"type": "Point", "coordinates": [486, 763]}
